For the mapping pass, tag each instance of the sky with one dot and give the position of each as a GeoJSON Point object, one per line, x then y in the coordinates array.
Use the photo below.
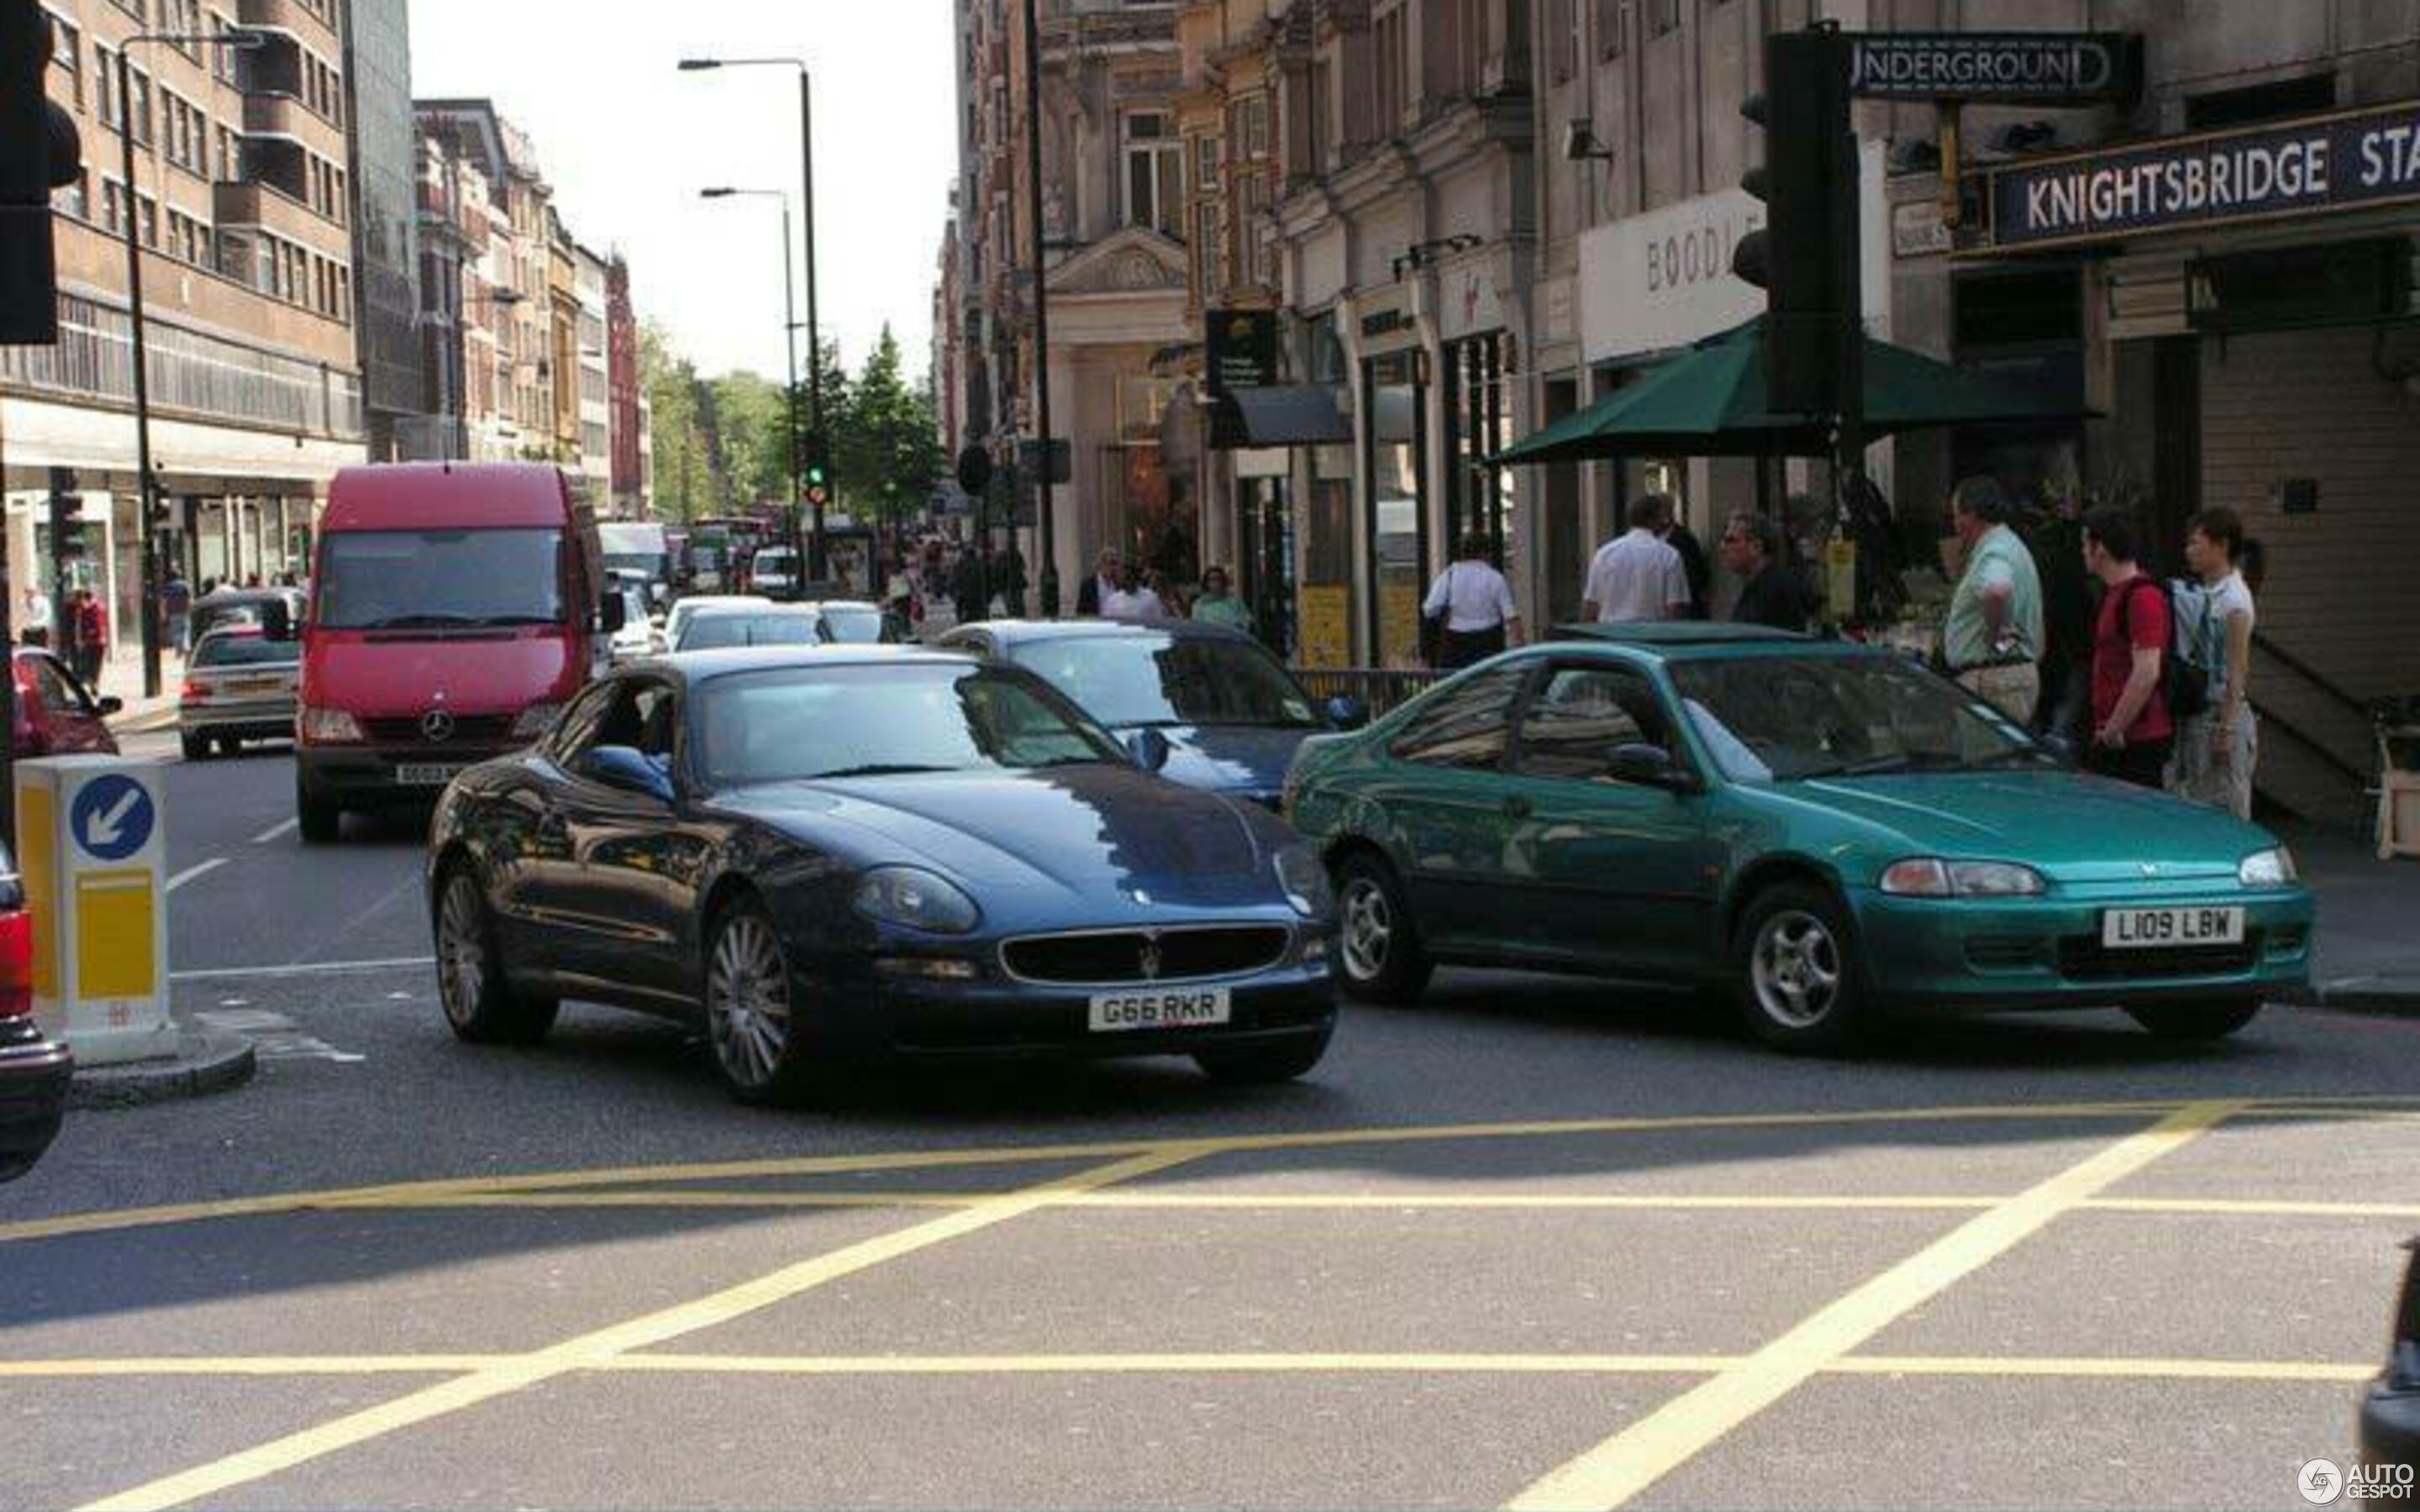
{"type": "Point", "coordinates": [627, 143]}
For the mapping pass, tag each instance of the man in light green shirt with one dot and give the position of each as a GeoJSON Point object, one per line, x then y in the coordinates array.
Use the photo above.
{"type": "Point", "coordinates": [1993, 641]}
{"type": "Point", "coordinates": [1219, 606]}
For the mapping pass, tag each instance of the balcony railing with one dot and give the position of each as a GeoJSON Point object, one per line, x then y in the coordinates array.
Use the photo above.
{"type": "Point", "coordinates": [192, 376]}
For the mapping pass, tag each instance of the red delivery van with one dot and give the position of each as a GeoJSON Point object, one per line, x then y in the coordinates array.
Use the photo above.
{"type": "Point", "coordinates": [454, 609]}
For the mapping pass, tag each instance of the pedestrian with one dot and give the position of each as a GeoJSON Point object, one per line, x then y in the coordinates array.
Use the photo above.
{"type": "Point", "coordinates": [2131, 732]}
{"type": "Point", "coordinates": [34, 613]}
{"type": "Point", "coordinates": [1475, 603]}
{"type": "Point", "coordinates": [90, 630]}
{"type": "Point", "coordinates": [1770, 593]}
{"type": "Point", "coordinates": [1639, 575]}
{"type": "Point", "coordinates": [967, 584]}
{"type": "Point", "coordinates": [1107, 576]}
{"type": "Point", "coordinates": [1008, 579]}
{"type": "Point", "coordinates": [177, 611]}
{"type": "Point", "coordinates": [1133, 601]}
{"type": "Point", "coordinates": [2217, 748]}
{"type": "Point", "coordinates": [1218, 604]}
{"type": "Point", "coordinates": [1992, 641]}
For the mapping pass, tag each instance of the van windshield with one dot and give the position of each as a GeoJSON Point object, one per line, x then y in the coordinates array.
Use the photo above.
{"type": "Point", "coordinates": [437, 580]}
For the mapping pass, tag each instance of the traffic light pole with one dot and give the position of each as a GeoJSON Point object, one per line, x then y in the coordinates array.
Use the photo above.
{"type": "Point", "coordinates": [144, 484]}
{"type": "Point", "coordinates": [815, 561]}
{"type": "Point", "coordinates": [790, 350]}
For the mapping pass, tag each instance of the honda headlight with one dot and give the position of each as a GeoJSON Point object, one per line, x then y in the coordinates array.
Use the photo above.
{"type": "Point", "coordinates": [916, 899]}
{"type": "Point", "coordinates": [1926, 876]}
{"type": "Point", "coordinates": [2272, 867]}
{"type": "Point", "coordinates": [536, 720]}
{"type": "Point", "coordinates": [1304, 881]}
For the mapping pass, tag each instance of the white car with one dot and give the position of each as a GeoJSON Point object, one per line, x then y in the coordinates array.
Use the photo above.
{"type": "Point", "coordinates": [685, 607]}
{"type": "Point", "coordinates": [773, 572]}
{"type": "Point", "coordinates": [762, 625]}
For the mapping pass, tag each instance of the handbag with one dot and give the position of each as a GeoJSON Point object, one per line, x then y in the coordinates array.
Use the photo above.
{"type": "Point", "coordinates": [1433, 626]}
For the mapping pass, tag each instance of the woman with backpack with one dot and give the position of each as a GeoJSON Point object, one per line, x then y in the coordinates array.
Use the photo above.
{"type": "Point", "coordinates": [2217, 748]}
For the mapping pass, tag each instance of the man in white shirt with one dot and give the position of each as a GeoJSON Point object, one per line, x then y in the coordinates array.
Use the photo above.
{"type": "Point", "coordinates": [1476, 605]}
{"type": "Point", "coordinates": [1638, 576]}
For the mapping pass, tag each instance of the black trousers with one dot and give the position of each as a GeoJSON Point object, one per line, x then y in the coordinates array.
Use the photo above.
{"type": "Point", "coordinates": [1469, 648]}
{"type": "Point", "coordinates": [2146, 765]}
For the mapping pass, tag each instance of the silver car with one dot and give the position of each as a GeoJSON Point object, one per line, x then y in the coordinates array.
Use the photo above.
{"type": "Point", "coordinates": [239, 685]}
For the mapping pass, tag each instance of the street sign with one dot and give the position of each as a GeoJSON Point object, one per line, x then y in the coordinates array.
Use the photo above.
{"type": "Point", "coordinates": [112, 818]}
{"type": "Point", "coordinates": [1998, 68]}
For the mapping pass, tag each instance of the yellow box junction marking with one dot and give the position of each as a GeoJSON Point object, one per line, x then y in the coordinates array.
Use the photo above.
{"type": "Point", "coordinates": [589, 1350]}
{"type": "Point", "coordinates": [1663, 1440]}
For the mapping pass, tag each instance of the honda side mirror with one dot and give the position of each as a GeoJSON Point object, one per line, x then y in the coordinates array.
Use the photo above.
{"type": "Point", "coordinates": [1149, 747]}
{"type": "Point", "coordinates": [625, 768]}
{"type": "Point", "coordinates": [1649, 766]}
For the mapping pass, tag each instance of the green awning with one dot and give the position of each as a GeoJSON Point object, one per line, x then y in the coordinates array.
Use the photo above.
{"type": "Point", "coordinates": [1710, 401]}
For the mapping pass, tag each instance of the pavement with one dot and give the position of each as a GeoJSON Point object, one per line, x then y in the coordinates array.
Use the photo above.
{"type": "Point", "coordinates": [122, 677]}
{"type": "Point", "coordinates": [2368, 951]}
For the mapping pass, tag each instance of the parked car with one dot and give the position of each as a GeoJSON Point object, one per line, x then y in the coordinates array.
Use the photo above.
{"type": "Point", "coordinates": [33, 1072]}
{"type": "Point", "coordinates": [744, 625]}
{"type": "Point", "coordinates": [277, 610]}
{"type": "Point", "coordinates": [239, 685]}
{"type": "Point", "coordinates": [56, 715]}
{"type": "Point", "coordinates": [841, 854]}
{"type": "Point", "coordinates": [1826, 833]}
{"type": "Point", "coordinates": [455, 609]}
{"type": "Point", "coordinates": [1208, 706]}
{"type": "Point", "coordinates": [691, 605]}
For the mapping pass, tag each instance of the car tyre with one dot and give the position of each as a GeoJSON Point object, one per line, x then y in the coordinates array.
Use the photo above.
{"type": "Point", "coordinates": [230, 746]}
{"type": "Point", "coordinates": [1799, 985]}
{"type": "Point", "coordinates": [1263, 1065]}
{"type": "Point", "coordinates": [1378, 955]}
{"type": "Point", "coordinates": [198, 748]}
{"type": "Point", "coordinates": [481, 1005]}
{"type": "Point", "coordinates": [752, 1003]}
{"type": "Point", "coordinates": [319, 820]}
{"type": "Point", "coordinates": [2194, 1021]}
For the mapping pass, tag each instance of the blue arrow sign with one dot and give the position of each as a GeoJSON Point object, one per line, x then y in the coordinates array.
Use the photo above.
{"type": "Point", "coordinates": [112, 817]}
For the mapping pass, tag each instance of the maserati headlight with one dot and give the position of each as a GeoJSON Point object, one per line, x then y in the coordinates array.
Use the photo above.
{"type": "Point", "coordinates": [916, 899]}
{"type": "Point", "coordinates": [1304, 881]}
{"type": "Point", "coordinates": [2272, 867]}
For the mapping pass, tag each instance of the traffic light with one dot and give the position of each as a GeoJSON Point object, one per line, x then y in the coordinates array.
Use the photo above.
{"type": "Point", "coordinates": [817, 472]}
{"type": "Point", "coordinates": [1805, 256]}
{"type": "Point", "coordinates": [39, 152]}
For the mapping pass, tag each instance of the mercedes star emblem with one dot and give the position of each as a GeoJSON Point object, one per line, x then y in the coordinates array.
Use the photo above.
{"type": "Point", "coordinates": [435, 726]}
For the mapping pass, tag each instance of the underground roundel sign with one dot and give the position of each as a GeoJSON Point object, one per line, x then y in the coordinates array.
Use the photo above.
{"type": "Point", "coordinates": [112, 817]}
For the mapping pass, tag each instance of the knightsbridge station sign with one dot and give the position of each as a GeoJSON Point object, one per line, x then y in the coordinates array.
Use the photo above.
{"type": "Point", "coordinates": [2337, 162]}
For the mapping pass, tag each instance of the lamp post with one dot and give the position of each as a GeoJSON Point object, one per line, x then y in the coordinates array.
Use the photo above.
{"type": "Point", "coordinates": [1042, 497]}
{"type": "Point", "coordinates": [145, 485]}
{"type": "Point", "coordinates": [790, 351]}
{"type": "Point", "coordinates": [814, 555]}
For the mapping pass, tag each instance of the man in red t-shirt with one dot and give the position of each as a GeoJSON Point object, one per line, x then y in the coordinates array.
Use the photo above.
{"type": "Point", "coordinates": [2131, 732]}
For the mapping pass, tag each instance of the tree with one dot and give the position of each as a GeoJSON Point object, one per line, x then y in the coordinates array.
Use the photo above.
{"type": "Point", "coordinates": [753, 425]}
{"type": "Point", "coordinates": [891, 450]}
{"type": "Point", "coordinates": [683, 471]}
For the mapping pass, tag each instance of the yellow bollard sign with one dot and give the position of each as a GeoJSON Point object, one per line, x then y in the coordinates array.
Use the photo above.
{"type": "Point", "coordinates": [93, 845]}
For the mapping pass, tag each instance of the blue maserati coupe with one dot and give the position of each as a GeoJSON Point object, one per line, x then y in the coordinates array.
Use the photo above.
{"type": "Point", "coordinates": [836, 855]}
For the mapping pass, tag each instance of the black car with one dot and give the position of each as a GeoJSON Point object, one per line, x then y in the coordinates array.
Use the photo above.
{"type": "Point", "coordinates": [844, 854]}
{"type": "Point", "coordinates": [34, 1073]}
{"type": "Point", "coordinates": [2389, 1413]}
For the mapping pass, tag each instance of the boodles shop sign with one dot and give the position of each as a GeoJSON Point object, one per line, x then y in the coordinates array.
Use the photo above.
{"type": "Point", "coordinates": [2338, 162]}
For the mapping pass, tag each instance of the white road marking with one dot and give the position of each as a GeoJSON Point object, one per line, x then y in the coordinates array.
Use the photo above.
{"type": "Point", "coordinates": [192, 872]}
{"type": "Point", "coordinates": [276, 831]}
{"type": "Point", "coordinates": [275, 1037]}
{"type": "Point", "coordinates": [308, 968]}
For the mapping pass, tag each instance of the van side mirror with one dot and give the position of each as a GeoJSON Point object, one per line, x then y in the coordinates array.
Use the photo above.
{"type": "Point", "coordinates": [611, 613]}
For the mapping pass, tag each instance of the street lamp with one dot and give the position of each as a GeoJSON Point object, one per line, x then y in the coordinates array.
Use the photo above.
{"type": "Point", "coordinates": [790, 351]}
{"type": "Point", "coordinates": [145, 485]}
{"type": "Point", "coordinates": [816, 566]}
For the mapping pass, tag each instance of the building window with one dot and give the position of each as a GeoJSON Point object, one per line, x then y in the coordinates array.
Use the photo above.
{"type": "Point", "coordinates": [1253, 129]}
{"type": "Point", "coordinates": [225, 61]}
{"type": "Point", "coordinates": [1472, 74]}
{"type": "Point", "coordinates": [139, 96]}
{"type": "Point", "coordinates": [146, 218]}
{"type": "Point", "coordinates": [1154, 179]}
{"type": "Point", "coordinates": [66, 51]}
{"type": "Point", "coordinates": [133, 8]}
{"type": "Point", "coordinates": [1386, 32]}
{"type": "Point", "coordinates": [1663, 16]}
{"type": "Point", "coordinates": [74, 199]}
{"type": "Point", "coordinates": [1562, 40]}
{"type": "Point", "coordinates": [1612, 27]}
{"type": "Point", "coordinates": [104, 86]}
{"type": "Point", "coordinates": [227, 167]}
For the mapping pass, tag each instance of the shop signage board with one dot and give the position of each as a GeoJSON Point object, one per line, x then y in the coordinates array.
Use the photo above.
{"type": "Point", "coordinates": [1324, 612]}
{"type": "Point", "coordinates": [1998, 68]}
{"type": "Point", "coordinates": [2348, 162]}
{"type": "Point", "coordinates": [1241, 348]}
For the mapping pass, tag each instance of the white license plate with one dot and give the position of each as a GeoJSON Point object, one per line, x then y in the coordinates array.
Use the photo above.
{"type": "Point", "coordinates": [257, 685]}
{"type": "Point", "coordinates": [2143, 929]}
{"type": "Point", "coordinates": [421, 775]}
{"type": "Point", "coordinates": [1159, 1008]}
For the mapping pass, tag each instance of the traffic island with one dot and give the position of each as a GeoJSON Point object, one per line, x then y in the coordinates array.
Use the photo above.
{"type": "Point", "coordinates": [204, 1063]}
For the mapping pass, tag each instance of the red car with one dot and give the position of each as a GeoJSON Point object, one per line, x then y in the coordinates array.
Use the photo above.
{"type": "Point", "coordinates": [33, 1071]}
{"type": "Point", "coordinates": [56, 715]}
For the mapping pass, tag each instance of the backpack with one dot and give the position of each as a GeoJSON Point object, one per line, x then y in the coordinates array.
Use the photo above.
{"type": "Point", "coordinates": [2184, 682]}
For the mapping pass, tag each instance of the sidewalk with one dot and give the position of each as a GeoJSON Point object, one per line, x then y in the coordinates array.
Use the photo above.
{"type": "Point", "coordinates": [122, 677]}
{"type": "Point", "coordinates": [2369, 953]}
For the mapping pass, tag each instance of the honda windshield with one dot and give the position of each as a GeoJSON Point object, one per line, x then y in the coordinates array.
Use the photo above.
{"type": "Point", "coordinates": [439, 579]}
{"type": "Point", "coordinates": [1169, 680]}
{"type": "Point", "coordinates": [1778, 718]}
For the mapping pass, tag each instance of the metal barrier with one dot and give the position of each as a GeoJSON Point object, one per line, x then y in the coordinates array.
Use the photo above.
{"type": "Point", "coordinates": [1379, 688]}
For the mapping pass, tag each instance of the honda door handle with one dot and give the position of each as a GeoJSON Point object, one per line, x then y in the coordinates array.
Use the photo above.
{"type": "Point", "coordinates": [1516, 808]}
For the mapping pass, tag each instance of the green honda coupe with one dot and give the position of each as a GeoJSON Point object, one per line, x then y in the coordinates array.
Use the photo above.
{"type": "Point", "coordinates": [1824, 833]}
